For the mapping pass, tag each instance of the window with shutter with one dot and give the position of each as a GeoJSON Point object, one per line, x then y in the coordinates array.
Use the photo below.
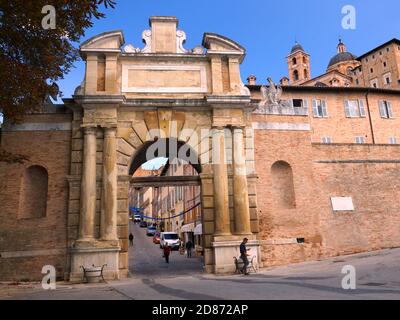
{"type": "Point", "coordinates": [347, 108]}
{"type": "Point", "coordinates": [354, 108]}
{"type": "Point", "coordinates": [315, 108]}
{"type": "Point", "coordinates": [360, 140]}
{"type": "Point", "coordinates": [392, 140]}
{"type": "Point", "coordinates": [389, 109]}
{"type": "Point", "coordinates": [326, 140]}
{"type": "Point", "coordinates": [382, 109]}
{"type": "Point", "coordinates": [324, 109]}
{"type": "Point", "coordinates": [361, 108]}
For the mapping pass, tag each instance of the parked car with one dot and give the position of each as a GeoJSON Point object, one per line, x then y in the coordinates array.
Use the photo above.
{"type": "Point", "coordinates": [171, 239]}
{"type": "Point", "coordinates": [151, 231]}
{"type": "Point", "coordinates": [137, 218]}
{"type": "Point", "coordinates": [156, 238]}
{"type": "Point", "coordinates": [143, 224]}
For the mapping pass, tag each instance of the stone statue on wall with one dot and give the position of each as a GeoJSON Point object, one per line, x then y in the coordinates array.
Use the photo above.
{"type": "Point", "coordinates": [271, 100]}
{"type": "Point", "coordinates": [271, 95]}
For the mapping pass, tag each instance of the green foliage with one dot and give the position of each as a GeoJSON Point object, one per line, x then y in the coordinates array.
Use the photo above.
{"type": "Point", "coordinates": [32, 59]}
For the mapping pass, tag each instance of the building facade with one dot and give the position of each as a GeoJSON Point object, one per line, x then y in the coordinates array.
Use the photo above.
{"type": "Point", "coordinates": [377, 68]}
{"type": "Point", "coordinates": [314, 177]}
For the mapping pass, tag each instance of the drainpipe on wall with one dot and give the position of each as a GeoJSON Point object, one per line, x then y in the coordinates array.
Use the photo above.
{"type": "Point", "coordinates": [369, 117]}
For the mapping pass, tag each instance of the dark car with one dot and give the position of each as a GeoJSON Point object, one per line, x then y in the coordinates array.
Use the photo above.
{"type": "Point", "coordinates": [151, 231]}
{"type": "Point", "coordinates": [143, 224]}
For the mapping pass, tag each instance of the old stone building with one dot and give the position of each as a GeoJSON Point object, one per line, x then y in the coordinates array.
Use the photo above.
{"type": "Point", "coordinates": [378, 68]}
{"type": "Point", "coordinates": [304, 171]}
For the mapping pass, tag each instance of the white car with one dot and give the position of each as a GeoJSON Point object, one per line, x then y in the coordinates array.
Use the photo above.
{"type": "Point", "coordinates": [171, 239]}
{"type": "Point", "coordinates": [137, 218]}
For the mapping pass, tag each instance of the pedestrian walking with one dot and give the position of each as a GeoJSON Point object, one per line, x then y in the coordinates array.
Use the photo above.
{"type": "Point", "coordinates": [131, 237]}
{"type": "Point", "coordinates": [189, 246]}
{"type": "Point", "coordinates": [244, 255]}
{"type": "Point", "coordinates": [167, 252]}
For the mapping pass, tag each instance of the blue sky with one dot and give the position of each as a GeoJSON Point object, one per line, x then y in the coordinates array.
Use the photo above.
{"type": "Point", "coordinates": [267, 29]}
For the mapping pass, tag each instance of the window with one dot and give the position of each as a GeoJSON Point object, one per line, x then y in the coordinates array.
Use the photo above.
{"type": "Point", "coordinates": [373, 56]}
{"type": "Point", "coordinates": [296, 75]}
{"type": "Point", "coordinates": [326, 140]}
{"type": "Point", "coordinates": [34, 185]}
{"type": "Point", "coordinates": [294, 61]}
{"type": "Point", "coordinates": [371, 70]}
{"type": "Point", "coordinates": [360, 140]}
{"type": "Point", "coordinates": [380, 53]}
{"type": "Point", "coordinates": [354, 108]}
{"type": "Point", "coordinates": [384, 64]}
{"type": "Point", "coordinates": [385, 109]}
{"type": "Point", "coordinates": [319, 108]}
{"type": "Point", "coordinates": [392, 140]}
{"type": "Point", "coordinates": [374, 83]}
{"type": "Point", "coordinates": [305, 74]}
{"type": "Point", "coordinates": [299, 103]}
{"type": "Point", "coordinates": [387, 78]}
{"type": "Point", "coordinates": [366, 60]}
{"type": "Point", "coordinates": [357, 82]}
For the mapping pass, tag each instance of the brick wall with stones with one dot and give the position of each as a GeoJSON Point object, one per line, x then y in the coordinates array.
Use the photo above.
{"type": "Point", "coordinates": [26, 245]}
{"type": "Point", "coordinates": [370, 175]}
{"type": "Point", "coordinates": [311, 230]}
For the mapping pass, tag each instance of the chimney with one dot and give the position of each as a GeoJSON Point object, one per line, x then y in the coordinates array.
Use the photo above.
{"type": "Point", "coordinates": [284, 81]}
{"type": "Point", "coordinates": [163, 34]}
{"type": "Point", "coordinates": [251, 80]}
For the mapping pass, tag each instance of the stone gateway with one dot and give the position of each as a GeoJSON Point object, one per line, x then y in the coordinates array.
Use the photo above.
{"type": "Point", "coordinates": [264, 173]}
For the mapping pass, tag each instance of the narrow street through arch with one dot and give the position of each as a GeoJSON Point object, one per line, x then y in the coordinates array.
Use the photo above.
{"type": "Point", "coordinates": [145, 258]}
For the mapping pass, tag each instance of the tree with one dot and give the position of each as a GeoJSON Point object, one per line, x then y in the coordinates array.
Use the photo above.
{"type": "Point", "coordinates": [32, 58]}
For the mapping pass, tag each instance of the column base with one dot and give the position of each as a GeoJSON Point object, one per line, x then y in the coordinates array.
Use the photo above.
{"type": "Point", "coordinates": [87, 253]}
{"type": "Point", "coordinates": [225, 251]}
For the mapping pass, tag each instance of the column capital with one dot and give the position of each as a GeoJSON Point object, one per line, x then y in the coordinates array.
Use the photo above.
{"type": "Point", "coordinates": [89, 130]}
{"type": "Point", "coordinates": [218, 127]}
{"type": "Point", "coordinates": [238, 127]}
{"type": "Point", "coordinates": [110, 131]}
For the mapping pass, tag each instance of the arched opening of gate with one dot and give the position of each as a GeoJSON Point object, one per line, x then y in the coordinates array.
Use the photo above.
{"type": "Point", "coordinates": [165, 209]}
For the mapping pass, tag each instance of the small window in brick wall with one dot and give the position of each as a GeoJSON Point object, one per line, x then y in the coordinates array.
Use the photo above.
{"type": "Point", "coordinates": [33, 196]}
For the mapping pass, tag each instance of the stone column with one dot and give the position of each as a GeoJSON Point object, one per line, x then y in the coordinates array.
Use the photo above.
{"type": "Point", "coordinates": [221, 200]}
{"type": "Point", "coordinates": [88, 186]}
{"type": "Point", "coordinates": [240, 190]}
{"type": "Point", "coordinates": [108, 222]}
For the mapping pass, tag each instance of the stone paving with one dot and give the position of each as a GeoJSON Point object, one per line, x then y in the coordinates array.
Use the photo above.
{"type": "Point", "coordinates": [377, 274]}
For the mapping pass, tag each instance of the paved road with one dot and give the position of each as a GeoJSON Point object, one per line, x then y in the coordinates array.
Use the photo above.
{"type": "Point", "coordinates": [145, 259]}
{"type": "Point", "coordinates": [377, 273]}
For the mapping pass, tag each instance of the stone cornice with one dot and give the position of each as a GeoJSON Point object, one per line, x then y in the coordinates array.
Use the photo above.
{"type": "Point", "coordinates": [231, 102]}
{"type": "Point", "coordinates": [99, 99]}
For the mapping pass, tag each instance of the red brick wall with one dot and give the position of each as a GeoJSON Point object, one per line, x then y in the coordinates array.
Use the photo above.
{"type": "Point", "coordinates": [369, 174]}
{"type": "Point", "coordinates": [51, 150]}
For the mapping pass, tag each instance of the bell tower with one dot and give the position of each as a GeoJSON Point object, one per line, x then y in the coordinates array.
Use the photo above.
{"type": "Point", "coordinates": [298, 65]}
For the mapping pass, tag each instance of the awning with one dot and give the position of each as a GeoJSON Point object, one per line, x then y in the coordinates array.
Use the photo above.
{"type": "Point", "coordinates": [187, 228]}
{"type": "Point", "coordinates": [198, 230]}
